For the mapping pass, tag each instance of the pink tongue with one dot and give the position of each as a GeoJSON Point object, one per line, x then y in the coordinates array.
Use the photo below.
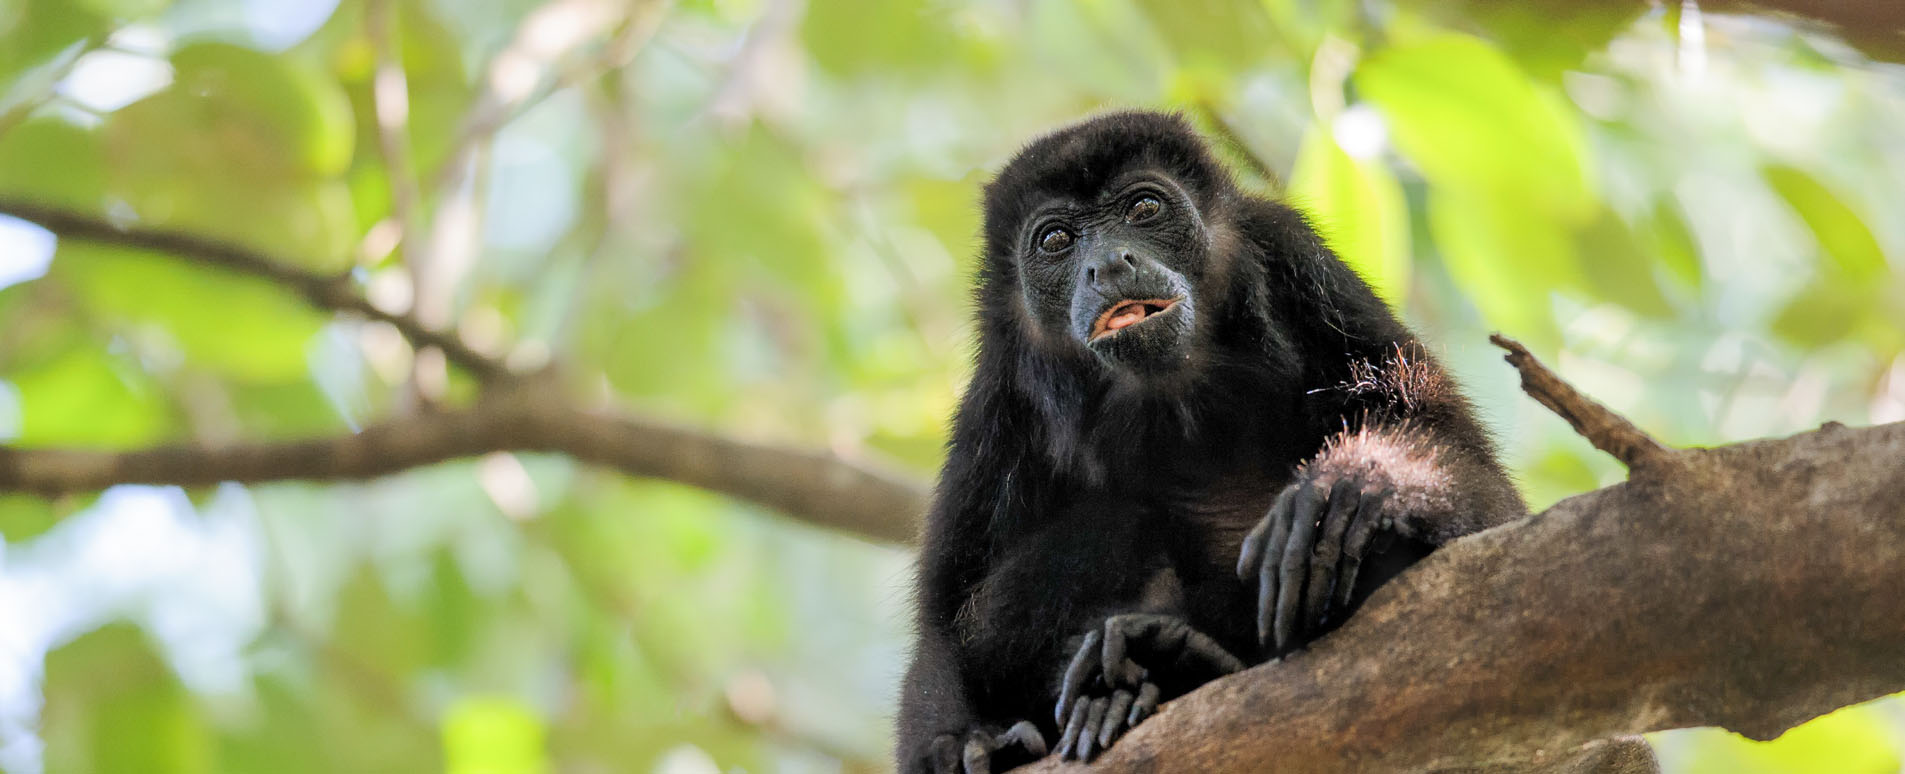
{"type": "Point", "coordinates": [1126, 316]}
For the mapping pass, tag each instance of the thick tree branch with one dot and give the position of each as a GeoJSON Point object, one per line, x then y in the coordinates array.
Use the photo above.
{"type": "Point", "coordinates": [328, 291]}
{"type": "Point", "coordinates": [1752, 587]}
{"type": "Point", "coordinates": [816, 487]}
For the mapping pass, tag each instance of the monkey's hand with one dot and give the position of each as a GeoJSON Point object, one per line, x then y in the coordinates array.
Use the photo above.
{"type": "Point", "coordinates": [1121, 672]}
{"type": "Point", "coordinates": [981, 750]}
{"type": "Point", "coordinates": [1305, 554]}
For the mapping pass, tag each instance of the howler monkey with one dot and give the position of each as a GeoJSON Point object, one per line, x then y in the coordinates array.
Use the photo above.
{"type": "Point", "coordinates": [1194, 440]}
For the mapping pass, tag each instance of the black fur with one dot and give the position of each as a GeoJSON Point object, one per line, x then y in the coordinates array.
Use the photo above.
{"type": "Point", "coordinates": [1084, 481]}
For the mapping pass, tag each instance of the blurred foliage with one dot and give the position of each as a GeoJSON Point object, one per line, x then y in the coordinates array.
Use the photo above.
{"type": "Point", "coordinates": [763, 222]}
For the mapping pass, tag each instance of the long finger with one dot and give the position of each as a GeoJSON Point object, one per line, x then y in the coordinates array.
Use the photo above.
{"type": "Point", "coordinates": [1309, 505]}
{"type": "Point", "coordinates": [977, 759]}
{"type": "Point", "coordinates": [1077, 724]}
{"type": "Point", "coordinates": [1356, 545]}
{"type": "Point", "coordinates": [1115, 715]}
{"type": "Point", "coordinates": [1259, 537]}
{"type": "Point", "coordinates": [1025, 736]}
{"type": "Point", "coordinates": [1345, 497]}
{"type": "Point", "coordinates": [1144, 705]}
{"type": "Point", "coordinates": [1281, 514]}
{"type": "Point", "coordinates": [1088, 736]}
{"type": "Point", "coordinates": [1075, 676]}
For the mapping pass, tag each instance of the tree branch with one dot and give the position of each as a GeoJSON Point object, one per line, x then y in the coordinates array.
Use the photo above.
{"type": "Point", "coordinates": [817, 487]}
{"type": "Point", "coordinates": [1752, 586]}
{"type": "Point", "coordinates": [336, 292]}
{"type": "Point", "coordinates": [1608, 431]}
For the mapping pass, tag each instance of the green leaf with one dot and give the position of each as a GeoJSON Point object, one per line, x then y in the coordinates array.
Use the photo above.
{"type": "Point", "coordinates": [1507, 260]}
{"type": "Point", "coordinates": [39, 35]}
{"type": "Point", "coordinates": [1822, 313]}
{"type": "Point", "coordinates": [53, 162]}
{"type": "Point", "coordinates": [1619, 269]}
{"type": "Point", "coordinates": [241, 327]}
{"type": "Point", "coordinates": [854, 37]}
{"type": "Point", "coordinates": [1673, 242]}
{"type": "Point", "coordinates": [1467, 117]}
{"type": "Point", "coordinates": [88, 397]}
{"type": "Point", "coordinates": [1838, 228]}
{"type": "Point", "coordinates": [1226, 34]}
{"type": "Point", "coordinates": [264, 110]}
{"type": "Point", "coordinates": [1854, 740]}
{"type": "Point", "coordinates": [25, 516]}
{"type": "Point", "coordinates": [124, 10]}
{"type": "Point", "coordinates": [1359, 208]}
{"type": "Point", "coordinates": [492, 735]}
{"type": "Point", "coordinates": [113, 707]}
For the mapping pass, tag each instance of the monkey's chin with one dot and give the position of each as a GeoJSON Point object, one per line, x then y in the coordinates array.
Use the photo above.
{"type": "Point", "coordinates": [1158, 344]}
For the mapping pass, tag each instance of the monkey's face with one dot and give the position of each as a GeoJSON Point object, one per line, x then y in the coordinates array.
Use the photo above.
{"type": "Point", "coordinates": [1116, 274]}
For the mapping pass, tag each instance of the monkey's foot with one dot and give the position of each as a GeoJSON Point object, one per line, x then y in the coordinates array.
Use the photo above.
{"type": "Point", "coordinates": [978, 750]}
{"type": "Point", "coordinates": [1305, 554]}
{"type": "Point", "coordinates": [1120, 672]}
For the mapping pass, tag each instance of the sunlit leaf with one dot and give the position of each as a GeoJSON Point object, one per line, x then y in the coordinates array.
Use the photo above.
{"type": "Point", "coordinates": [88, 397]}
{"type": "Point", "coordinates": [911, 36]}
{"type": "Point", "coordinates": [493, 735]}
{"type": "Point", "coordinates": [124, 10]}
{"type": "Point", "coordinates": [1466, 116]}
{"type": "Point", "coordinates": [1854, 740]}
{"type": "Point", "coordinates": [1507, 261]}
{"type": "Point", "coordinates": [25, 516]}
{"type": "Point", "coordinates": [1359, 208]}
{"type": "Point", "coordinates": [235, 325]}
{"type": "Point", "coordinates": [260, 112]}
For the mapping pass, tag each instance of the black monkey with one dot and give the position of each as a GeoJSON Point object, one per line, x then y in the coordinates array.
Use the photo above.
{"type": "Point", "coordinates": [1194, 440]}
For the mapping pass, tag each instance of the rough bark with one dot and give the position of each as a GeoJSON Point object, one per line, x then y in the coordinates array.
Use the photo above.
{"type": "Point", "coordinates": [1750, 586]}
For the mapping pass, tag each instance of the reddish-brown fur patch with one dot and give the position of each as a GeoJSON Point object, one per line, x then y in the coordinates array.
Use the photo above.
{"type": "Point", "coordinates": [1408, 382]}
{"type": "Point", "coordinates": [1393, 458]}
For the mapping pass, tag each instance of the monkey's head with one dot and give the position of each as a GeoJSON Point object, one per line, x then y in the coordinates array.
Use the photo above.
{"type": "Point", "coordinates": [1097, 239]}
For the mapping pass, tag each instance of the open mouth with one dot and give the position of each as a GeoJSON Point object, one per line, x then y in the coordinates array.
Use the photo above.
{"type": "Point", "coordinates": [1127, 313]}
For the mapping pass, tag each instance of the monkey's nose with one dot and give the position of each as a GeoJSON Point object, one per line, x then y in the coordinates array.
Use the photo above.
{"type": "Point", "coordinates": [1113, 266]}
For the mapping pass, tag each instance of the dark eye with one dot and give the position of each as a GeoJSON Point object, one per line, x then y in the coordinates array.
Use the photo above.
{"type": "Point", "coordinates": [1143, 209]}
{"type": "Point", "coordinates": [1055, 240]}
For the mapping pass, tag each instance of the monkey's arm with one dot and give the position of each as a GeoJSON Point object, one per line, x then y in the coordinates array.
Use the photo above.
{"type": "Point", "coordinates": [1403, 467]}
{"type": "Point", "coordinates": [1408, 470]}
{"type": "Point", "coordinates": [939, 733]}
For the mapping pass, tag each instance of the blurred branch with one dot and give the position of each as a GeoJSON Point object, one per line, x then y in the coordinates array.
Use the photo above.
{"type": "Point", "coordinates": [1752, 587]}
{"type": "Point", "coordinates": [522, 59]}
{"type": "Point", "coordinates": [731, 101]}
{"type": "Point", "coordinates": [390, 98]}
{"type": "Point", "coordinates": [816, 487]}
{"type": "Point", "coordinates": [326, 291]}
{"type": "Point", "coordinates": [1238, 145]}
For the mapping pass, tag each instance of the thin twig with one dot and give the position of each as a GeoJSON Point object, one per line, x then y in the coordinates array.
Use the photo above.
{"type": "Point", "coordinates": [1608, 431]}
{"type": "Point", "coordinates": [326, 291]}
